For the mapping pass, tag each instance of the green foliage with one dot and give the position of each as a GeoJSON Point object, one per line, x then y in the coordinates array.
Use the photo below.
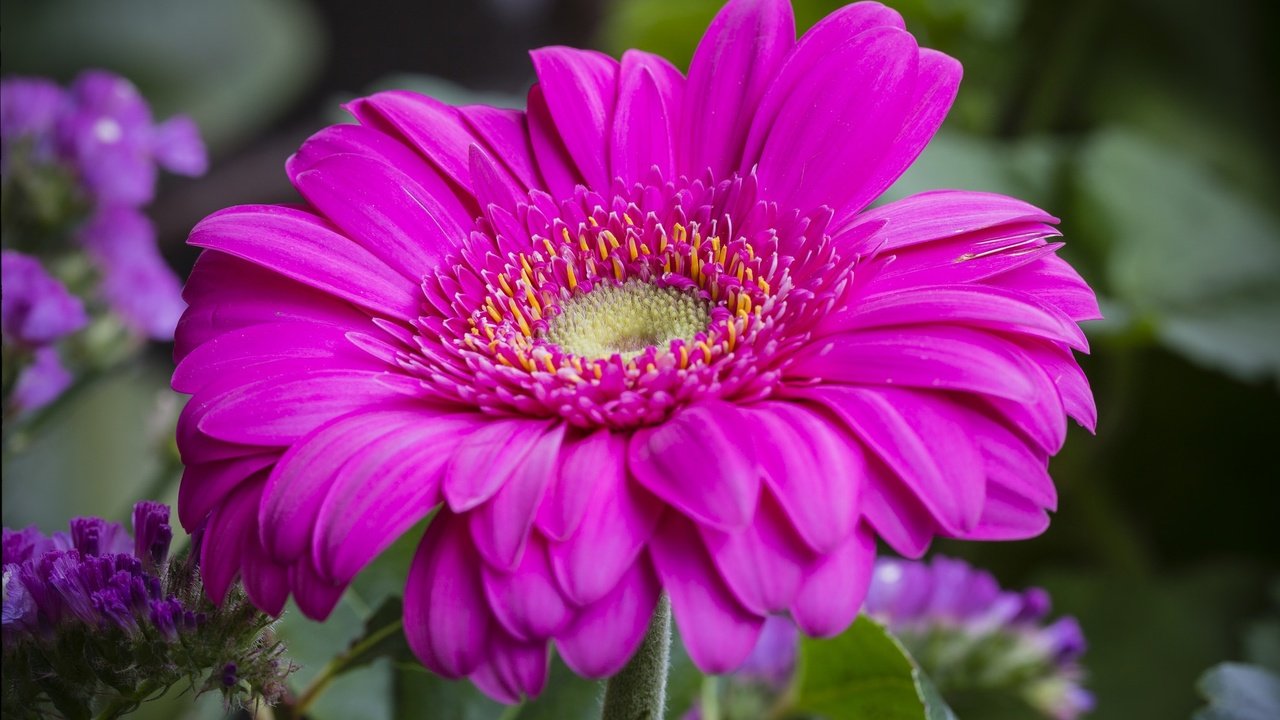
{"type": "Point", "coordinates": [864, 674]}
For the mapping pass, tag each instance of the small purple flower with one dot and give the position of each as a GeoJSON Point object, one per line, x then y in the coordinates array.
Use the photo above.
{"type": "Point", "coordinates": [152, 534]}
{"type": "Point", "coordinates": [108, 135]}
{"type": "Point", "coordinates": [41, 382]}
{"type": "Point", "coordinates": [774, 656]}
{"type": "Point", "coordinates": [35, 308]}
{"type": "Point", "coordinates": [136, 281]}
{"type": "Point", "coordinates": [29, 108]}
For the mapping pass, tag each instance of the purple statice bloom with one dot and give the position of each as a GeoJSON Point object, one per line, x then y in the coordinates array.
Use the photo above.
{"type": "Point", "coordinates": [35, 308]}
{"type": "Point", "coordinates": [41, 382]}
{"type": "Point", "coordinates": [774, 656]}
{"type": "Point", "coordinates": [136, 281]}
{"type": "Point", "coordinates": [29, 109]}
{"type": "Point", "coordinates": [613, 338]}
{"type": "Point", "coordinates": [96, 575]}
{"type": "Point", "coordinates": [108, 134]}
{"type": "Point", "coordinates": [948, 603]}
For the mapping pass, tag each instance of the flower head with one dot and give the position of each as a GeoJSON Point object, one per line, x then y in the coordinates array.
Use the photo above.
{"type": "Point", "coordinates": [971, 635]}
{"type": "Point", "coordinates": [129, 617]}
{"type": "Point", "coordinates": [35, 312]}
{"type": "Point", "coordinates": [643, 337]}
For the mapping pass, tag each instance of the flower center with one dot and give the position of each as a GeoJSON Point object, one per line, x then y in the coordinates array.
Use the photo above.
{"type": "Point", "coordinates": [626, 319]}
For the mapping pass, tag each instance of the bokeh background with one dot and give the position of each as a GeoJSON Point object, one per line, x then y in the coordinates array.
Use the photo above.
{"type": "Point", "coordinates": [1148, 126]}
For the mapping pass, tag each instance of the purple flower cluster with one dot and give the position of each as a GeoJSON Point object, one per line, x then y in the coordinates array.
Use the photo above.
{"type": "Point", "coordinates": [100, 133]}
{"type": "Point", "coordinates": [36, 311]}
{"type": "Point", "coordinates": [946, 605]}
{"type": "Point", "coordinates": [95, 575]}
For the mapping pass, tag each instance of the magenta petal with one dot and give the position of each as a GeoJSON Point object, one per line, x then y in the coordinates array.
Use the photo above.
{"type": "Point", "coordinates": [316, 597]}
{"type": "Point", "coordinates": [559, 173]}
{"type": "Point", "coordinates": [716, 629]}
{"type": "Point", "coordinates": [303, 247]}
{"type": "Point", "coordinates": [501, 526]}
{"type": "Point", "coordinates": [527, 600]}
{"type": "Point", "coordinates": [278, 412]}
{"type": "Point", "coordinates": [986, 307]}
{"type": "Point", "coordinates": [700, 462]}
{"type": "Point", "coordinates": [940, 214]}
{"type": "Point", "coordinates": [581, 89]}
{"type": "Point", "coordinates": [1011, 463]}
{"type": "Point", "coordinates": [446, 615]}
{"type": "Point", "coordinates": [1008, 515]}
{"type": "Point", "coordinates": [382, 492]}
{"type": "Point", "coordinates": [919, 437]}
{"type": "Point", "coordinates": [861, 90]}
{"type": "Point", "coordinates": [1055, 282]}
{"type": "Point", "coordinates": [266, 582]}
{"type": "Point", "coordinates": [585, 463]}
{"type": "Point", "coordinates": [231, 528]}
{"type": "Point", "coordinates": [494, 185]}
{"type": "Point", "coordinates": [735, 62]}
{"type": "Point", "coordinates": [813, 50]}
{"type": "Point", "coordinates": [207, 485]}
{"type": "Point", "coordinates": [935, 356]}
{"type": "Point", "coordinates": [383, 210]}
{"type": "Point", "coordinates": [1065, 372]}
{"type": "Point", "coordinates": [643, 127]}
{"type": "Point", "coordinates": [791, 442]}
{"type": "Point", "coordinates": [835, 586]}
{"type": "Point", "coordinates": [487, 458]}
{"type": "Point", "coordinates": [515, 670]}
{"type": "Point", "coordinates": [620, 518]}
{"type": "Point", "coordinates": [505, 134]}
{"type": "Point", "coordinates": [897, 515]}
{"type": "Point", "coordinates": [226, 293]}
{"type": "Point", "coordinates": [434, 129]}
{"type": "Point", "coordinates": [763, 563]}
{"type": "Point", "coordinates": [303, 476]}
{"type": "Point", "coordinates": [605, 634]}
{"type": "Point", "coordinates": [313, 346]}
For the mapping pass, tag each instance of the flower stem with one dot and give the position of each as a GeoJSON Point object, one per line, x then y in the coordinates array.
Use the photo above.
{"type": "Point", "coordinates": [639, 690]}
{"type": "Point", "coordinates": [339, 664]}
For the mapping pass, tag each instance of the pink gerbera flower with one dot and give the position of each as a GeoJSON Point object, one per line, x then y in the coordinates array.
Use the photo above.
{"type": "Point", "coordinates": [640, 338]}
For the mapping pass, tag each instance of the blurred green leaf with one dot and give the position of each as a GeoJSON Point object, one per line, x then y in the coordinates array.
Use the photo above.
{"type": "Point", "coordinates": [1239, 692]}
{"type": "Point", "coordinates": [864, 674]}
{"type": "Point", "coordinates": [419, 695]}
{"type": "Point", "coordinates": [1026, 169]}
{"type": "Point", "coordinates": [567, 697]}
{"type": "Point", "coordinates": [1185, 252]}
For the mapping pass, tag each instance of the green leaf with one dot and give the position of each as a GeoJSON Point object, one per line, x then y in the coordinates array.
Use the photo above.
{"type": "Point", "coordinates": [1185, 252]}
{"type": "Point", "coordinates": [864, 674]}
{"type": "Point", "coordinates": [419, 694]}
{"type": "Point", "coordinates": [383, 636]}
{"type": "Point", "coordinates": [1239, 692]}
{"type": "Point", "coordinates": [1026, 169]}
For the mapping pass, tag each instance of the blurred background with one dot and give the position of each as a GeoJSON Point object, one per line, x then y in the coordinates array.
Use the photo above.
{"type": "Point", "coordinates": [1148, 126]}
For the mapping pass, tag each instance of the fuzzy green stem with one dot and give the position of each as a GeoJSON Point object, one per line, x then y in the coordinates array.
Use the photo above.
{"type": "Point", "coordinates": [639, 690]}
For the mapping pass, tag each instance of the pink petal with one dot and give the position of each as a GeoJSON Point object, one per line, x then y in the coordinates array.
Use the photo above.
{"type": "Point", "coordinates": [605, 634]}
{"type": "Point", "coordinates": [716, 629]}
{"type": "Point", "coordinates": [644, 125]}
{"type": "Point", "coordinates": [266, 582]}
{"type": "Point", "coordinates": [505, 134]}
{"type": "Point", "coordinates": [278, 412]}
{"type": "Point", "coordinates": [515, 670]}
{"type": "Point", "coordinates": [815, 47]}
{"type": "Point", "coordinates": [231, 527]}
{"type": "Point", "coordinates": [941, 214]}
{"type": "Point", "coordinates": [206, 485]}
{"type": "Point", "coordinates": [303, 247]}
{"type": "Point", "coordinates": [1055, 282]}
{"type": "Point", "coordinates": [585, 463]}
{"type": "Point", "coordinates": [225, 293]}
{"type": "Point", "coordinates": [383, 210]}
{"type": "Point", "coordinates": [897, 515]}
{"type": "Point", "coordinates": [316, 597]}
{"type": "Point", "coordinates": [527, 600]}
{"type": "Point", "coordinates": [446, 615]}
{"type": "Point", "coordinates": [791, 441]}
{"type": "Point", "coordinates": [303, 476]}
{"type": "Point", "coordinates": [382, 492]}
{"type": "Point", "coordinates": [390, 150]}
{"type": "Point", "coordinates": [921, 439]}
{"type": "Point", "coordinates": [862, 90]}
{"type": "Point", "coordinates": [699, 462]}
{"type": "Point", "coordinates": [434, 129]}
{"type": "Point", "coordinates": [620, 518]}
{"type": "Point", "coordinates": [763, 564]}
{"type": "Point", "coordinates": [1065, 372]}
{"type": "Point", "coordinates": [309, 345]}
{"type": "Point", "coordinates": [559, 173]}
{"type": "Point", "coordinates": [979, 306]}
{"type": "Point", "coordinates": [735, 62]}
{"type": "Point", "coordinates": [936, 357]}
{"type": "Point", "coordinates": [1008, 515]}
{"type": "Point", "coordinates": [488, 458]}
{"type": "Point", "coordinates": [580, 88]}
{"type": "Point", "coordinates": [501, 526]}
{"type": "Point", "coordinates": [493, 185]}
{"type": "Point", "coordinates": [835, 586]}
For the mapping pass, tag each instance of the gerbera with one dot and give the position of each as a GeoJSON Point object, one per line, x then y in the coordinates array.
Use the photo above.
{"type": "Point", "coordinates": [640, 338]}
